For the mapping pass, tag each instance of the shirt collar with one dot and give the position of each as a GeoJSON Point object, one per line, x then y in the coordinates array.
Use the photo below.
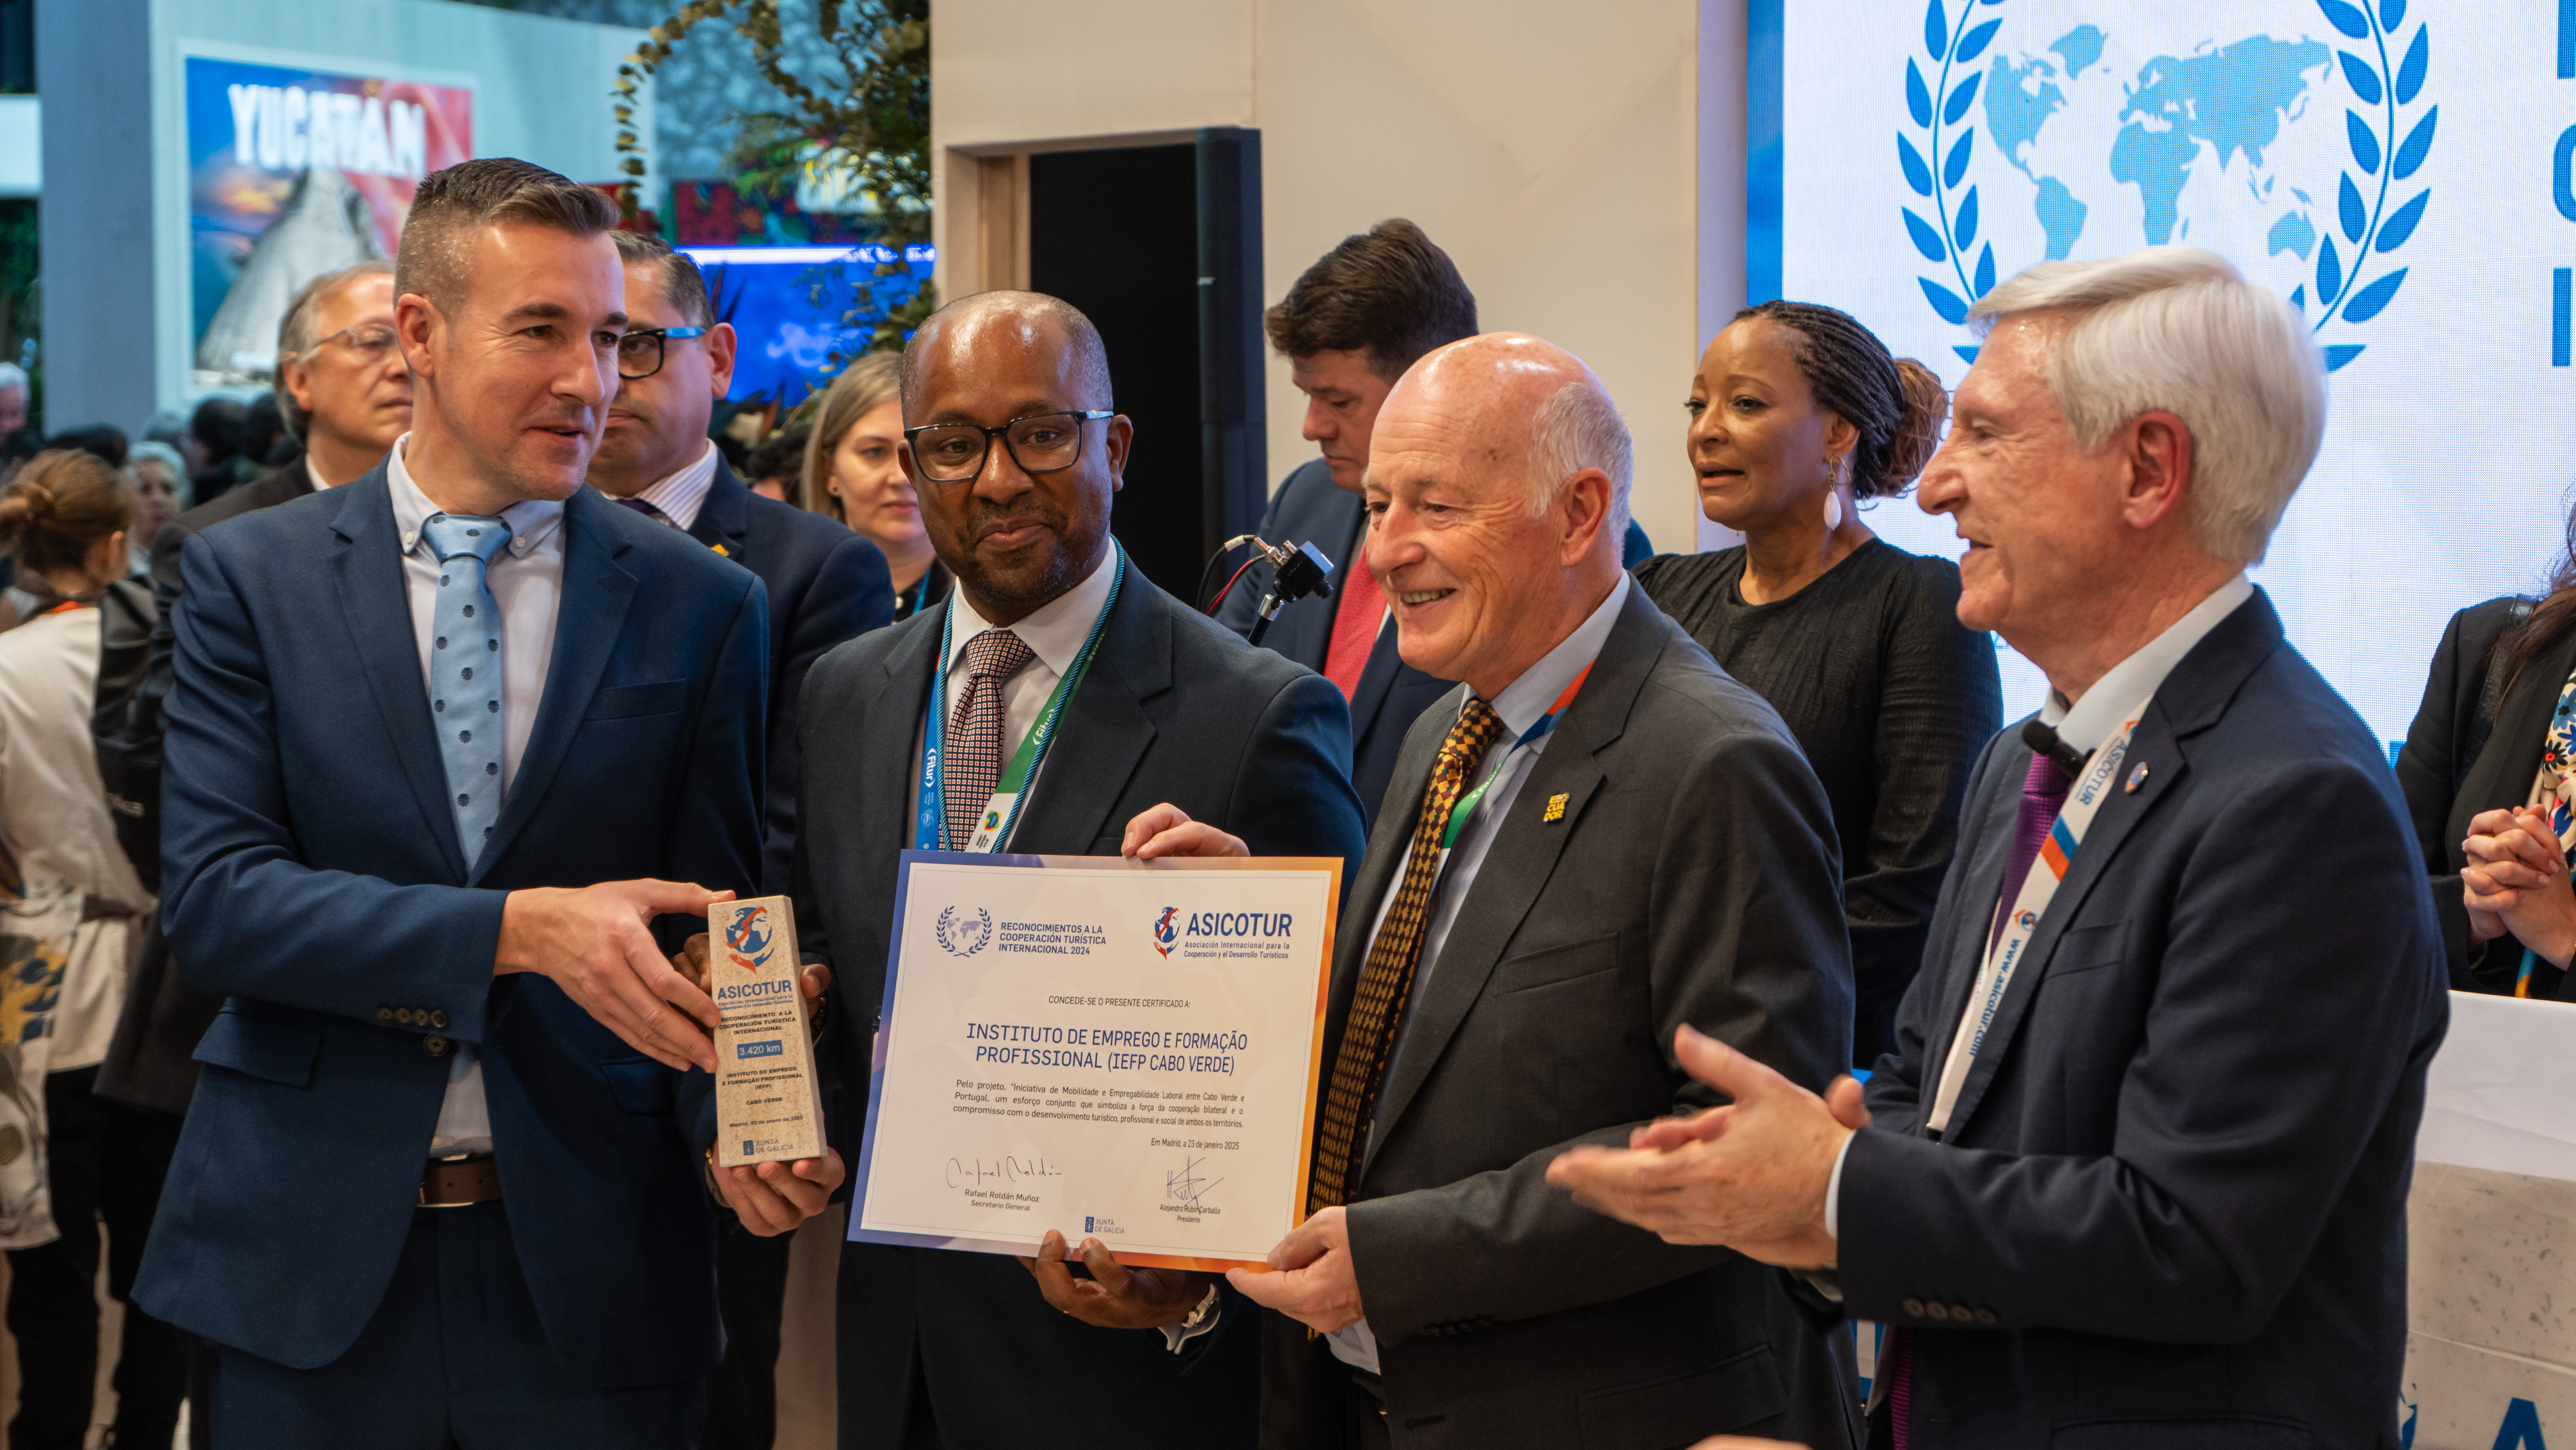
{"type": "Point", "coordinates": [313, 471]}
{"type": "Point", "coordinates": [531, 521]}
{"type": "Point", "coordinates": [1054, 631]}
{"type": "Point", "coordinates": [2085, 723]}
{"type": "Point", "coordinates": [680, 494]}
{"type": "Point", "coordinates": [1524, 700]}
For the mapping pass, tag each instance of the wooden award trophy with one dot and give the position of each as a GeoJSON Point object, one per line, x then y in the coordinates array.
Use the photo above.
{"type": "Point", "coordinates": [769, 1106]}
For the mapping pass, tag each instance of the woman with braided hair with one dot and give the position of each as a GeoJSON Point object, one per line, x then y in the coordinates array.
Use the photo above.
{"type": "Point", "coordinates": [1797, 415]}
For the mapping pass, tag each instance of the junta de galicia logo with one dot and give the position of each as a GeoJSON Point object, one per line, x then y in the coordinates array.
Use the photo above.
{"type": "Point", "coordinates": [1166, 930]}
{"type": "Point", "coordinates": [961, 934]}
{"type": "Point", "coordinates": [2230, 142]}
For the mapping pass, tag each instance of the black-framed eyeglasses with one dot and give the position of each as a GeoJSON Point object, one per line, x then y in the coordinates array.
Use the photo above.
{"type": "Point", "coordinates": [369, 340]}
{"type": "Point", "coordinates": [640, 354]}
{"type": "Point", "coordinates": [1039, 443]}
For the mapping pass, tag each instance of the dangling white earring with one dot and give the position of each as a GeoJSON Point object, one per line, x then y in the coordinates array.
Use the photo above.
{"type": "Point", "coordinates": [1833, 510]}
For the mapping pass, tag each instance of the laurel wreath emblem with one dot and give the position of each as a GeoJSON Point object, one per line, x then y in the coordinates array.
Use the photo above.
{"type": "Point", "coordinates": [947, 938]}
{"type": "Point", "coordinates": [2370, 225]}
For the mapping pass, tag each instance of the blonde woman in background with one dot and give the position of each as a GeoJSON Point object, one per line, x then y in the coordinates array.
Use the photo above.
{"type": "Point", "coordinates": [854, 473]}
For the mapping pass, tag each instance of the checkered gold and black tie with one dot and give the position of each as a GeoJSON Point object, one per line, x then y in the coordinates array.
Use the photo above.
{"type": "Point", "coordinates": [1386, 981]}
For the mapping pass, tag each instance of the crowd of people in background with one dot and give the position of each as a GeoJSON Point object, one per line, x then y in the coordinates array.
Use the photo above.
{"type": "Point", "coordinates": [1812, 745]}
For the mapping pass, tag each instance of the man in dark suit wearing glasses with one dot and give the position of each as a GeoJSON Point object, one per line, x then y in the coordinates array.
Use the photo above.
{"type": "Point", "coordinates": [1014, 444]}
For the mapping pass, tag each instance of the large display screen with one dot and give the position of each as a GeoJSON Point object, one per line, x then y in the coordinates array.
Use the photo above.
{"type": "Point", "coordinates": [805, 313]}
{"type": "Point", "coordinates": [2399, 170]}
{"type": "Point", "coordinates": [293, 173]}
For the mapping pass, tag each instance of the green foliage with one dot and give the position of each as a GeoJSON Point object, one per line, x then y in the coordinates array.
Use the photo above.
{"type": "Point", "coordinates": [871, 131]}
{"type": "Point", "coordinates": [870, 134]}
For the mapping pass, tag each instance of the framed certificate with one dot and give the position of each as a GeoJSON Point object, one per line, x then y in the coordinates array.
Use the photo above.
{"type": "Point", "coordinates": [1122, 1050]}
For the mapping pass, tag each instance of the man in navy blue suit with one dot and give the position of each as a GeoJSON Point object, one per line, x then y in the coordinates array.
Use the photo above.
{"type": "Point", "coordinates": [444, 742]}
{"type": "Point", "coordinates": [2136, 1173]}
{"type": "Point", "coordinates": [1349, 328]}
{"type": "Point", "coordinates": [826, 584]}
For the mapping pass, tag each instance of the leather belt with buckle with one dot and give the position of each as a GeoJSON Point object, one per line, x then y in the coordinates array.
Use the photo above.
{"type": "Point", "coordinates": [458, 1182]}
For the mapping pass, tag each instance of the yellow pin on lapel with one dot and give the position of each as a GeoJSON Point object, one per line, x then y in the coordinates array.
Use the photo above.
{"type": "Point", "coordinates": [721, 549]}
{"type": "Point", "coordinates": [1556, 807]}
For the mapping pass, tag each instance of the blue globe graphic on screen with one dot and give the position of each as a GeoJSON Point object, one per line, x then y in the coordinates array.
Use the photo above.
{"type": "Point", "coordinates": [2286, 136]}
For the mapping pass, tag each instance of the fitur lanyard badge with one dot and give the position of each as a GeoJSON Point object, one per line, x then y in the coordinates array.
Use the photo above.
{"type": "Point", "coordinates": [1002, 813]}
{"type": "Point", "coordinates": [1466, 807]}
{"type": "Point", "coordinates": [2047, 872]}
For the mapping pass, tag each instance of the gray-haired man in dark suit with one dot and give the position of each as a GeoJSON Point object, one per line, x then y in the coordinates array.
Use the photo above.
{"type": "Point", "coordinates": [1597, 838]}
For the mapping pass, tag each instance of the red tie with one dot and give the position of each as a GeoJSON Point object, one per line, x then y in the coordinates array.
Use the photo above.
{"type": "Point", "coordinates": [1355, 620]}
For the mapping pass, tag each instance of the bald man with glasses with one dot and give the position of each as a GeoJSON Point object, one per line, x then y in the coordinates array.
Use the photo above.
{"type": "Point", "coordinates": [1175, 727]}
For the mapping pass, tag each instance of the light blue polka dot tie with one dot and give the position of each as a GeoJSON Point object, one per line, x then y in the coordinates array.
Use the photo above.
{"type": "Point", "coordinates": [465, 672]}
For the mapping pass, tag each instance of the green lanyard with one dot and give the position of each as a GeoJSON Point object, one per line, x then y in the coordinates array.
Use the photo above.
{"type": "Point", "coordinates": [1002, 812]}
{"type": "Point", "coordinates": [1460, 813]}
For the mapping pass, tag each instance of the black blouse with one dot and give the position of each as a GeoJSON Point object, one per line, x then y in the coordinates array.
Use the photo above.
{"type": "Point", "coordinates": [1891, 698]}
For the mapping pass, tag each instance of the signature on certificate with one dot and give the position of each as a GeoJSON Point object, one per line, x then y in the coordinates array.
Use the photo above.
{"type": "Point", "coordinates": [1186, 1185]}
{"type": "Point", "coordinates": [974, 1172]}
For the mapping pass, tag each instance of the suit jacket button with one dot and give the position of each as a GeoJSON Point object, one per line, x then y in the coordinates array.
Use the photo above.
{"type": "Point", "coordinates": [384, 1014]}
{"type": "Point", "coordinates": [438, 1019]}
{"type": "Point", "coordinates": [1937, 1312]}
{"type": "Point", "coordinates": [403, 1015]}
{"type": "Point", "coordinates": [1913, 1308]}
{"type": "Point", "coordinates": [1986, 1317]}
{"type": "Point", "coordinates": [434, 1046]}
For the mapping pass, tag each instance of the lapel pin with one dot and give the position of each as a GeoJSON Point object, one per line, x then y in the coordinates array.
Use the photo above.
{"type": "Point", "coordinates": [721, 549]}
{"type": "Point", "coordinates": [2137, 778]}
{"type": "Point", "coordinates": [1556, 807]}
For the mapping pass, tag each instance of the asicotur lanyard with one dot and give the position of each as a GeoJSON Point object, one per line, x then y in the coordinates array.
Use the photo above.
{"type": "Point", "coordinates": [2047, 871]}
{"type": "Point", "coordinates": [1460, 813]}
{"type": "Point", "coordinates": [1002, 813]}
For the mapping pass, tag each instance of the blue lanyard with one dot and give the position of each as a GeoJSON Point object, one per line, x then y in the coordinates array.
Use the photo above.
{"type": "Point", "coordinates": [930, 826]}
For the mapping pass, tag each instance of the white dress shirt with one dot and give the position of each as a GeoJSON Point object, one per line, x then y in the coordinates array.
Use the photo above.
{"type": "Point", "coordinates": [313, 471]}
{"type": "Point", "coordinates": [680, 494]}
{"type": "Point", "coordinates": [1520, 704]}
{"type": "Point", "coordinates": [2085, 724]}
{"type": "Point", "coordinates": [1054, 633]}
{"type": "Point", "coordinates": [526, 580]}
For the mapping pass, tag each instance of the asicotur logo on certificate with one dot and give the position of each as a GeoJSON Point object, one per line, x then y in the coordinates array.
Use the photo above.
{"type": "Point", "coordinates": [1165, 933]}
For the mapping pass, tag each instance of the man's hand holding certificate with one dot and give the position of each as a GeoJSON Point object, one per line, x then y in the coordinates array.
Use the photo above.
{"type": "Point", "coordinates": [1111, 1060]}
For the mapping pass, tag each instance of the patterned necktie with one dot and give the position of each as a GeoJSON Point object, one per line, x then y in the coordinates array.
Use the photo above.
{"type": "Point", "coordinates": [465, 671]}
{"type": "Point", "coordinates": [648, 511]}
{"type": "Point", "coordinates": [973, 769]}
{"type": "Point", "coordinates": [1386, 982]}
{"type": "Point", "coordinates": [2043, 795]}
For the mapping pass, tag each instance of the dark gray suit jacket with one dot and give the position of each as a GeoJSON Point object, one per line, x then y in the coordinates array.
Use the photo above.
{"type": "Point", "coordinates": [2171, 1207]}
{"type": "Point", "coordinates": [1694, 877]}
{"type": "Point", "coordinates": [1174, 709]}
